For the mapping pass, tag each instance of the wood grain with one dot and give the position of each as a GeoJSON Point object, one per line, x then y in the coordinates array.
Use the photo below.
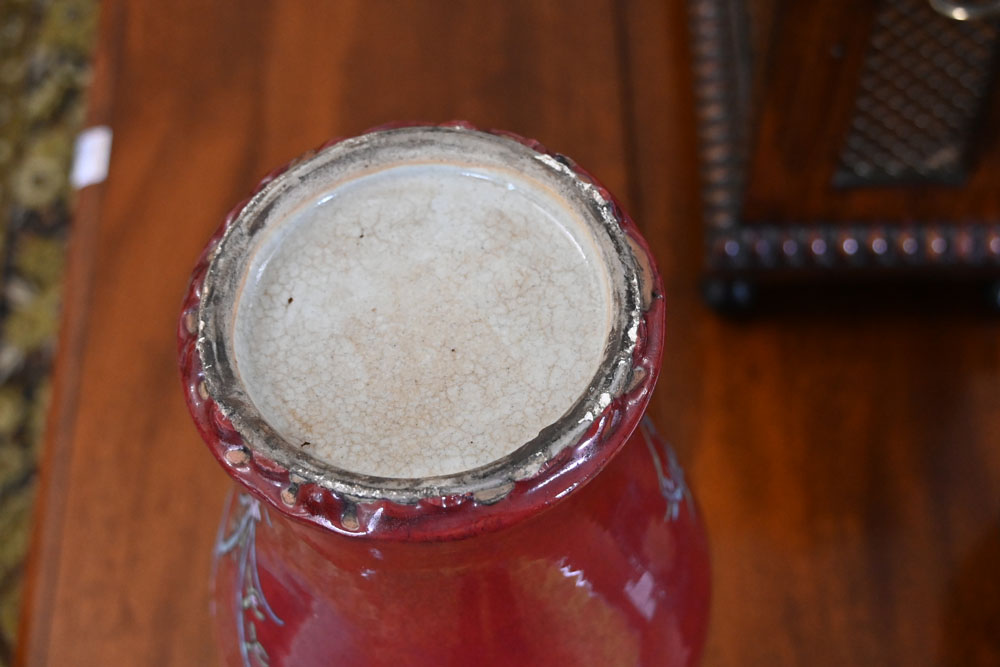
{"type": "Point", "coordinates": [50, 504]}
{"type": "Point", "coordinates": [846, 462]}
{"type": "Point", "coordinates": [808, 58]}
{"type": "Point", "coordinates": [205, 100]}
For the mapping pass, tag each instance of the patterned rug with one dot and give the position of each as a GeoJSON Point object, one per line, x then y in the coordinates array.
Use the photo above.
{"type": "Point", "coordinates": [45, 49]}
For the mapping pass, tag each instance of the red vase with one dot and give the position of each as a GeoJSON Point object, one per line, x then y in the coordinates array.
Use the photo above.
{"type": "Point", "coordinates": [596, 557]}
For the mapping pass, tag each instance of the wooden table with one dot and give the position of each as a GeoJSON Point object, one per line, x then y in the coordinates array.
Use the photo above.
{"type": "Point", "coordinates": [846, 461]}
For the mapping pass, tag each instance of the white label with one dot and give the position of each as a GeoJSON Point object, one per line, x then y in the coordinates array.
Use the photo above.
{"type": "Point", "coordinates": [91, 156]}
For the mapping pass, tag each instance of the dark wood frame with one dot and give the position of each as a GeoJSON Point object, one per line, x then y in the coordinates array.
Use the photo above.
{"type": "Point", "coordinates": [736, 249]}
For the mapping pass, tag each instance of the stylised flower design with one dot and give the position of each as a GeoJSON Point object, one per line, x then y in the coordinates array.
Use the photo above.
{"type": "Point", "coordinates": [249, 599]}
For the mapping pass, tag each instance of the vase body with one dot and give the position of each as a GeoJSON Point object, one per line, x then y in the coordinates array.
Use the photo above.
{"type": "Point", "coordinates": [581, 547]}
{"type": "Point", "coordinates": [617, 574]}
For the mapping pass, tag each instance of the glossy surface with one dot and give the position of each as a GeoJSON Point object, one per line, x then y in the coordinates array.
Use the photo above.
{"type": "Point", "coordinates": [457, 551]}
{"type": "Point", "coordinates": [588, 582]}
{"type": "Point", "coordinates": [564, 456]}
{"type": "Point", "coordinates": [844, 456]}
{"type": "Point", "coordinates": [259, 456]}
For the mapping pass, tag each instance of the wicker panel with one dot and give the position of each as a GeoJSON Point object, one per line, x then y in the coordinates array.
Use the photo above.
{"type": "Point", "coordinates": [921, 92]}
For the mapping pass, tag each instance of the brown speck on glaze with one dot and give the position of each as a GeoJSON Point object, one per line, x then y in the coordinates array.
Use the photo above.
{"type": "Point", "coordinates": [638, 375]}
{"type": "Point", "coordinates": [289, 494]}
{"type": "Point", "coordinates": [237, 456]}
{"type": "Point", "coordinates": [645, 275]}
{"type": "Point", "coordinates": [490, 496]}
{"type": "Point", "coordinates": [349, 520]}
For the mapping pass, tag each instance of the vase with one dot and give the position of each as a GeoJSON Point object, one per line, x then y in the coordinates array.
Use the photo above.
{"type": "Point", "coordinates": [581, 546]}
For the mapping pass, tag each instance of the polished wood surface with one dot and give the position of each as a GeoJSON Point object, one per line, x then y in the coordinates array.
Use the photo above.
{"type": "Point", "coordinates": [846, 460]}
{"type": "Point", "coordinates": [808, 58]}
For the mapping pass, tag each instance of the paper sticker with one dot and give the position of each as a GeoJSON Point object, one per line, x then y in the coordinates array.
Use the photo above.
{"type": "Point", "coordinates": [91, 156]}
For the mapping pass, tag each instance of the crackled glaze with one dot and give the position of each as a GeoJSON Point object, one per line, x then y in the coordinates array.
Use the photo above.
{"type": "Point", "coordinates": [423, 320]}
{"type": "Point", "coordinates": [251, 443]}
{"type": "Point", "coordinates": [582, 547]}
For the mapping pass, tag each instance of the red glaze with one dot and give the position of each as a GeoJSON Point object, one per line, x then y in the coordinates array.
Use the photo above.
{"type": "Point", "coordinates": [571, 567]}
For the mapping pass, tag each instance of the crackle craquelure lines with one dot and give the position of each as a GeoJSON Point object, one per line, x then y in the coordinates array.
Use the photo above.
{"type": "Point", "coordinates": [423, 319]}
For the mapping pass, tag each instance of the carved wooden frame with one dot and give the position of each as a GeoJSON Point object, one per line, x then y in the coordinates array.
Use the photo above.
{"type": "Point", "coordinates": [738, 249]}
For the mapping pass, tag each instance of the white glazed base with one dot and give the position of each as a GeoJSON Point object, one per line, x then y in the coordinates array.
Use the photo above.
{"type": "Point", "coordinates": [422, 320]}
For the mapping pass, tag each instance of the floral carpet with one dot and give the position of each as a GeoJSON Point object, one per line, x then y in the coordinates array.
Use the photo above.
{"type": "Point", "coordinates": [45, 52]}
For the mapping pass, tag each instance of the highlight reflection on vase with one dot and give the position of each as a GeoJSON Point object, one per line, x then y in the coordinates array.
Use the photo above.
{"type": "Point", "coordinates": [616, 575]}
{"type": "Point", "coordinates": [424, 353]}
